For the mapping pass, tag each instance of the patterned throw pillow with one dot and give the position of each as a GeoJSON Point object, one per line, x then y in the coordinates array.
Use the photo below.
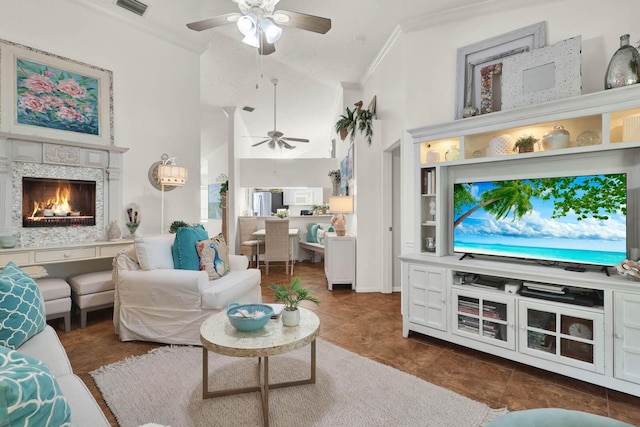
{"type": "Point", "coordinates": [214, 257]}
{"type": "Point", "coordinates": [22, 312]}
{"type": "Point", "coordinates": [29, 394]}
{"type": "Point", "coordinates": [185, 256]}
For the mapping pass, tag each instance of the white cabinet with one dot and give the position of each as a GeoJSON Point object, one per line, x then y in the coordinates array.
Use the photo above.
{"type": "Point", "coordinates": [484, 316]}
{"type": "Point", "coordinates": [427, 288]}
{"type": "Point", "coordinates": [340, 260]}
{"type": "Point", "coordinates": [302, 196]}
{"type": "Point", "coordinates": [626, 326]}
{"type": "Point", "coordinates": [570, 336]}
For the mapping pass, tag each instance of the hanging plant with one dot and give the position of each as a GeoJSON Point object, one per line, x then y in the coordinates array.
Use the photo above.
{"type": "Point", "coordinates": [347, 124]}
{"type": "Point", "coordinates": [365, 122]}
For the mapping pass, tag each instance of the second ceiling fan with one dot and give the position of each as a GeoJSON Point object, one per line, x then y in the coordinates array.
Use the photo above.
{"type": "Point", "coordinates": [275, 137]}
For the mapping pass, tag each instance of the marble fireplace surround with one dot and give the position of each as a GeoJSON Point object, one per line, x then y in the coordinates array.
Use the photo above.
{"type": "Point", "coordinates": [48, 158]}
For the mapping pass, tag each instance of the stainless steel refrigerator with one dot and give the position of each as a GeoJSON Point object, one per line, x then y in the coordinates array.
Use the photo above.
{"type": "Point", "coordinates": [262, 203]}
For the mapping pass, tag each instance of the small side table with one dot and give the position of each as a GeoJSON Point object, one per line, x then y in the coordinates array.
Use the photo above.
{"type": "Point", "coordinates": [340, 259]}
{"type": "Point", "coordinates": [219, 336]}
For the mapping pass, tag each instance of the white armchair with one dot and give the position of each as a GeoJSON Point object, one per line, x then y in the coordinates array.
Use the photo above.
{"type": "Point", "coordinates": [168, 305]}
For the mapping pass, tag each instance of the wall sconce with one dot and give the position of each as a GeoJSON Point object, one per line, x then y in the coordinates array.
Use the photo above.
{"type": "Point", "coordinates": [341, 205]}
{"type": "Point", "coordinates": [165, 175]}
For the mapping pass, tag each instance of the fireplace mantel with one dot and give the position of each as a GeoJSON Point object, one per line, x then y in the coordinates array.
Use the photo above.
{"type": "Point", "coordinates": [19, 152]}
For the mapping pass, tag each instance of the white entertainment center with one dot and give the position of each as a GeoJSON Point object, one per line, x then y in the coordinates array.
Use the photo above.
{"type": "Point", "coordinates": [475, 301]}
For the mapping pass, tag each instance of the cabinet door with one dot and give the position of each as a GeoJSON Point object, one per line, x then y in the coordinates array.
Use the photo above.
{"type": "Point", "coordinates": [626, 326]}
{"type": "Point", "coordinates": [427, 299]}
{"type": "Point", "coordinates": [340, 260]}
{"type": "Point", "coordinates": [484, 316]}
{"type": "Point", "coordinates": [563, 334]}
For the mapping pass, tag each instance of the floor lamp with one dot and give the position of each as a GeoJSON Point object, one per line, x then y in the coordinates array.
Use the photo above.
{"type": "Point", "coordinates": [169, 176]}
{"type": "Point", "coordinates": [340, 205]}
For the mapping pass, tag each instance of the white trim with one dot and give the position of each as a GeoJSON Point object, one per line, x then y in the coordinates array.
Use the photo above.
{"type": "Point", "coordinates": [391, 41]}
{"type": "Point", "coordinates": [462, 13]}
{"type": "Point", "coordinates": [138, 22]}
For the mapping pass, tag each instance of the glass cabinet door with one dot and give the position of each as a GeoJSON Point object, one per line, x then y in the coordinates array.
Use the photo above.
{"type": "Point", "coordinates": [485, 317]}
{"type": "Point", "coordinates": [564, 334]}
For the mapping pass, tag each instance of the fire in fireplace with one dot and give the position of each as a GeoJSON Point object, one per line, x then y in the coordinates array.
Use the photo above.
{"type": "Point", "coordinates": [51, 202]}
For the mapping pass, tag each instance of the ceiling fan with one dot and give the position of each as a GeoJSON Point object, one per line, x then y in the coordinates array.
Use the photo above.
{"type": "Point", "coordinates": [275, 136]}
{"type": "Point", "coordinates": [258, 20]}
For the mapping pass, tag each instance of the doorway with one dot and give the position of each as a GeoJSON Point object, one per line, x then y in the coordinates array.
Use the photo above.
{"type": "Point", "coordinates": [391, 218]}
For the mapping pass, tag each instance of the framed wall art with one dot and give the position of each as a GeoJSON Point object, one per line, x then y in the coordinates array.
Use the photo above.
{"type": "Point", "coordinates": [47, 95]}
{"type": "Point", "coordinates": [543, 75]}
{"type": "Point", "coordinates": [473, 58]}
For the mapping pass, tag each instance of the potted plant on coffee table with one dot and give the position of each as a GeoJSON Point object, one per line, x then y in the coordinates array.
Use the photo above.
{"type": "Point", "coordinates": [291, 296]}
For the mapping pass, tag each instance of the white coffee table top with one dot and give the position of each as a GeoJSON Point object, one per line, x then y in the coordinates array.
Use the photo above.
{"type": "Point", "coordinates": [219, 336]}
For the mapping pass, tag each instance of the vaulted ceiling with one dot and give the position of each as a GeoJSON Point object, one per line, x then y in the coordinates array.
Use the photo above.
{"type": "Point", "coordinates": [309, 66]}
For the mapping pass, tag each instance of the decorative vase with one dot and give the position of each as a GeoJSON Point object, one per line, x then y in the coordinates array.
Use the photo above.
{"type": "Point", "coordinates": [430, 244]}
{"type": "Point", "coordinates": [453, 153]}
{"type": "Point", "coordinates": [500, 145]}
{"type": "Point", "coordinates": [343, 133]}
{"type": "Point", "coordinates": [113, 231]}
{"type": "Point", "coordinates": [290, 317]}
{"type": "Point", "coordinates": [624, 67]}
{"type": "Point", "coordinates": [556, 138]}
{"type": "Point", "coordinates": [132, 227]}
{"type": "Point", "coordinates": [336, 188]}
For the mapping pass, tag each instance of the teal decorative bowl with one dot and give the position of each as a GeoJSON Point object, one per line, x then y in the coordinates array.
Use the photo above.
{"type": "Point", "coordinates": [248, 324]}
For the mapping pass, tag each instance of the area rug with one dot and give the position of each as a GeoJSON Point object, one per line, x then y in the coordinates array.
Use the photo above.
{"type": "Point", "coordinates": [165, 387]}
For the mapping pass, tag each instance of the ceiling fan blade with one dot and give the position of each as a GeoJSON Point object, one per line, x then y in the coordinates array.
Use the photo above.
{"type": "Point", "coordinates": [272, 144]}
{"type": "Point", "coordinates": [261, 142]}
{"type": "Point", "coordinates": [265, 48]}
{"type": "Point", "coordinates": [216, 21]}
{"type": "Point", "coordinates": [295, 139]}
{"type": "Point", "coordinates": [284, 144]}
{"type": "Point", "coordinates": [303, 21]}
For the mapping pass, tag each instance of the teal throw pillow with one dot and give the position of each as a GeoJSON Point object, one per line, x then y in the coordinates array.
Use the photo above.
{"type": "Point", "coordinates": [29, 394]}
{"type": "Point", "coordinates": [312, 235]}
{"type": "Point", "coordinates": [22, 312]}
{"type": "Point", "coordinates": [185, 254]}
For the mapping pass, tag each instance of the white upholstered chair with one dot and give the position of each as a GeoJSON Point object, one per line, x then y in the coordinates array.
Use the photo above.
{"type": "Point", "coordinates": [277, 244]}
{"type": "Point", "coordinates": [249, 245]}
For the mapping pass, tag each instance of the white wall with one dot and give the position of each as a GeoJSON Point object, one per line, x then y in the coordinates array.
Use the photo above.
{"type": "Point", "coordinates": [156, 100]}
{"type": "Point", "coordinates": [415, 80]}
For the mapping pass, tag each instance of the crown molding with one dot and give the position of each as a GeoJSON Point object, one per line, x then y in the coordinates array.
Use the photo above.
{"type": "Point", "coordinates": [485, 7]}
{"type": "Point", "coordinates": [391, 41]}
{"type": "Point", "coordinates": [138, 22]}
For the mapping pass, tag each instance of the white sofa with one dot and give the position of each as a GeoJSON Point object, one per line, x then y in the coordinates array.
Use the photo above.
{"type": "Point", "coordinates": [168, 305]}
{"type": "Point", "coordinates": [46, 347]}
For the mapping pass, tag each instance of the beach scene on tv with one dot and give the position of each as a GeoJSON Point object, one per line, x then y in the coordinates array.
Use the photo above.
{"type": "Point", "coordinates": [572, 219]}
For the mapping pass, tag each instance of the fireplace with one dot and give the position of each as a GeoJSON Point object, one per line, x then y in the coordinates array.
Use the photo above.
{"type": "Point", "coordinates": [53, 202]}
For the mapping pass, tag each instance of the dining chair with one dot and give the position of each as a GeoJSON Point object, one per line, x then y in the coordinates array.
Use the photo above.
{"type": "Point", "coordinates": [277, 243]}
{"type": "Point", "coordinates": [249, 246]}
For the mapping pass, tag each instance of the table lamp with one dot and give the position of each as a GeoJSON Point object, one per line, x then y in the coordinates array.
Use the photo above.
{"type": "Point", "coordinates": [340, 205]}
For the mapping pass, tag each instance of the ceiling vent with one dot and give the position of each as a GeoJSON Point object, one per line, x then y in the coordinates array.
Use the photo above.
{"type": "Point", "coordinates": [247, 108]}
{"type": "Point", "coordinates": [133, 6]}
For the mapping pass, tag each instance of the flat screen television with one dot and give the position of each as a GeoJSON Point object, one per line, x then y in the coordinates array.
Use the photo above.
{"type": "Point", "coordinates": [568, 219]}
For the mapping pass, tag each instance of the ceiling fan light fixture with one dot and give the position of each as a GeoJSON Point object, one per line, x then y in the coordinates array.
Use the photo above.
{"type": "Point", "coordinates": [271, 31]}
{"type": "Point", "coordinates": [252, 40]}
{"type": "Point", "coordinates": [248, 24]}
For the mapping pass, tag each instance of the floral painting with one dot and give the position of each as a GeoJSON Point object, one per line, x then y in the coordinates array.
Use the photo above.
{"type": "Point", "coordinates": [47, 95]}
{"type": "Point", "coordinates": [57, 99]}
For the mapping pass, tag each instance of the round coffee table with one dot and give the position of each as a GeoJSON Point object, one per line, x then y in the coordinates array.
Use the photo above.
{"type": "Point", "coordinates": [219, 336]}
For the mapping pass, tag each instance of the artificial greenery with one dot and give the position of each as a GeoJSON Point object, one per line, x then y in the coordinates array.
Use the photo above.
{"type": "Point", "coordinates": [224, 187]}
{"type": "Point", "coordinates": [293, 294]}
{"type": "Point", "coordinates": [335, 175]}
{"type": "Point", "coordinates": [356, 119]}
{"type": "Point", "coordinates": [173, 228]}
{"type": "Point", "coordinates": [525, 144]}
{"type": "Point", "coordinates": [346, 124]}
{"type": "Point", "coordinates": [365, 120]}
